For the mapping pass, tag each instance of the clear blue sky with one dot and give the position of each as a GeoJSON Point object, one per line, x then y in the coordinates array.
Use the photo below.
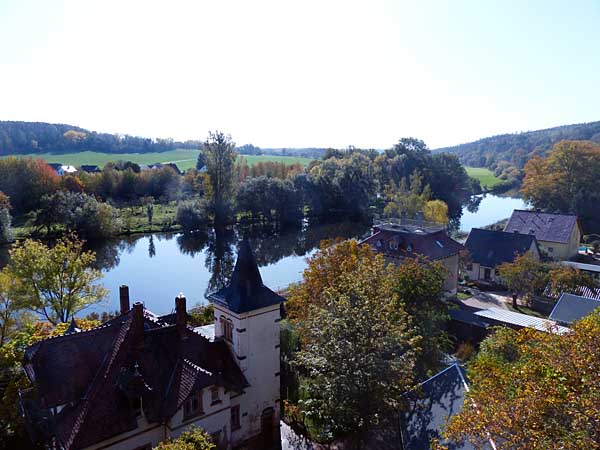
{"type": "Point", "coordinates": [304, 73]}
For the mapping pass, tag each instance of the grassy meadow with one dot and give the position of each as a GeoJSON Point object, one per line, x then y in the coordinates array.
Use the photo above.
{"type": "Point", "coordinates": [485, 176]}
{"type": "Point", "coordinates": [185, 159]}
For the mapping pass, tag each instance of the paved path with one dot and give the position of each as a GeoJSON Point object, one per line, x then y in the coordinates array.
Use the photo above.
{"type": "Point", "coordinates": [484, 300]}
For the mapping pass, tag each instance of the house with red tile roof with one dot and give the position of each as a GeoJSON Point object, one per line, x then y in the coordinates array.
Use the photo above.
{"type": "Point", "coordinates": [398, 241]}
{"type": "Point", "coordinates": [141, 378]}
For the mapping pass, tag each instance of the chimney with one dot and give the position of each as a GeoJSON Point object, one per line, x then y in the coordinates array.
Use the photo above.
{"type": "Point", "coordinates": [180, 312]}
{"type": "Point", "coordinates": [124, 298]}
{"type": "Point", "coordinates": [137, 323]}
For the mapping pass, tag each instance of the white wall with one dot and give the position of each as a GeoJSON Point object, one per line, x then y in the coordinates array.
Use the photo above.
{"type": "Point", "coordinates": [256, 346]}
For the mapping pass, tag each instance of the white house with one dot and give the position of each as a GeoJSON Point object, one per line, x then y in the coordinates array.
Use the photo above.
{"type": "Point", "coordinates": [141, 378]}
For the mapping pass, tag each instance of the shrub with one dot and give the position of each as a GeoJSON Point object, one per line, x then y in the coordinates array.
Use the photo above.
{"type": "Point", "coordinates": [192, 215]}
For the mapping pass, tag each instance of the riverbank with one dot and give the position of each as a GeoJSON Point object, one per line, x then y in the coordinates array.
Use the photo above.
{"type": "Point", "coordinates": [134, 220]}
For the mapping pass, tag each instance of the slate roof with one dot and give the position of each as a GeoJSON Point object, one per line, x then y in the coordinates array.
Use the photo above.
{"type": "Point", "coordinates": [544, 226]}
{"type": "Point", "coordinates": [94, 374]}
{"type": "Point", "coordinates": [571, 308]}
{"type": "Point", "coordinates": [402, 242]}
{"type": "Point", "coordinates": [439, 398]}
{"type": "Point", "coordinates": [246, 291]}
{"type": "Point", "coordinates": [490, 248]}
{"type": "Point", "coordinates": [90, 168]}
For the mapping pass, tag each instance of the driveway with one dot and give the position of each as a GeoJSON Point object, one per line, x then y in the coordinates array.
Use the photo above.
{"type": "Point", "coordinates": [485, 300]}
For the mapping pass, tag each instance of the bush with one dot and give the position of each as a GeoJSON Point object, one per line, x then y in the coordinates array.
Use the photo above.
{"type": "Point", "coordinates": [192, 215]}
{"type": "Point", "coordinates": [193, 439]}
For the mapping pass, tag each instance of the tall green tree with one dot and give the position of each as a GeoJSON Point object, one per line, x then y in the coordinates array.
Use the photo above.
{"type": "Point", "coordinates": [55, 282]}
{"type": "Point", "coordinates": [5, 219]}
{"type": "Point", "coordinates": [219, 152]}
{"type": "Point", "coordinates": [357, 342]}
{"type": "Point", "coordinates": [419, 288]}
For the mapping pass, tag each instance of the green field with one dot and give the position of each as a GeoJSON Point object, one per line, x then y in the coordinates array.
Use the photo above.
{"type": "Point", "coordinates": [185, 159]}
{"type": "Point", "coordinates": [485, 176]}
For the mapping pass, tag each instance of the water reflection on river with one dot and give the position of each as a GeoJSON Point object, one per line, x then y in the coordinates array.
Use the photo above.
{"type": "Point", "coordinates": [157, 267]}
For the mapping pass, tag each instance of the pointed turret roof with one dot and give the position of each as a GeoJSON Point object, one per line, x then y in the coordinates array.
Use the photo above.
{"type": "Point", "coordinates": [246, 291]}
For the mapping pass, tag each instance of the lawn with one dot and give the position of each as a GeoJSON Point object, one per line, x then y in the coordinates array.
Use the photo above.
{"type": "Point", "coordinates": [485, 176]}
{"type": "Point", "coordinates": [185, 159]}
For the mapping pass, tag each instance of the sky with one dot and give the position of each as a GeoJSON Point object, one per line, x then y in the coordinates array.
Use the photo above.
{"type": "Point", "coordinates": [304, 73]}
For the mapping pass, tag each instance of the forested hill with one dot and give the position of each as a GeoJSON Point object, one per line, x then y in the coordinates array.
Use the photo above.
{"type": "Point", "coordinates": [506, 154]}
{"type": "Point", "coordinates": [40, 137]}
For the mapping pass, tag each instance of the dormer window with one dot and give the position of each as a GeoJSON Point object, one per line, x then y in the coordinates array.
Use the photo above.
{"type": "Point", "coordinates": [193, 405]}
{"type": "Point", "coordinates": [227, 328]}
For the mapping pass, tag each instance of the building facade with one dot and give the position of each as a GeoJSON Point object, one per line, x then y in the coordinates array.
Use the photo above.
{"type": "Point", "coordinates": [558, 235]}
{"type": "Point", "coordinates": [141, 378]}
{"type": "Point", "coordinates": [397, 242]}
{"type": "Point", "coordinates": [487, 249]}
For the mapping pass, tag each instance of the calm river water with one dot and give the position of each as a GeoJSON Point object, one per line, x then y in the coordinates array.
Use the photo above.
{"type": "Point", "coordinates": [158, 267]}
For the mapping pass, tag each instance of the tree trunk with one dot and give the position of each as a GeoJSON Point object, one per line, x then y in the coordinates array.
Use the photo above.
{"type": "Point", "coordinates": [514, 301]}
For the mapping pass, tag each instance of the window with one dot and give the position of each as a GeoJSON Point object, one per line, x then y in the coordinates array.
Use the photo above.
{"type": "Point", "coordinates": [470, 266]}
{"type": "Point", "coordinates": [193, 405]}
{"type": "Point", "coordinates": [227, 329]}
{"type": "Point", "coordinates": [214, 395]}
{"type": "Point", "coordinates": [550, 249]}
{"type": "Point", "coordinates": [235, 417]}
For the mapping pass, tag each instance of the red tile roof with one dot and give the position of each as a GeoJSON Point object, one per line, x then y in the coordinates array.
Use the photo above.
{"type": "Point", "coordinates": [404, 243]}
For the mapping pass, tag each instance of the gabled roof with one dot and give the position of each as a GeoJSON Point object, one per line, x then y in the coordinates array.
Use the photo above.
{"type": "Point", "coordinates": [491, 248]}
{"type": "Point", "coordinates": [93, 375]}
{"type": "Point", "coordinates": [246, 291]}
{"type": "Point", "coordinates": [544, 226]}
{"type": "Point", "coordinates": [407, 243]}
{"type": "Point", "coordinates": [90, 168]}
{"type": "Point", "coordinates": [438, 399]}
{"type": "Point", "coordinates": [571, 308]}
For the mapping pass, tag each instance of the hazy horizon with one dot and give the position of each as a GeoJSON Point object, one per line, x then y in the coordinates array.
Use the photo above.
{"type": "Point", "coordinates": [312, 74]}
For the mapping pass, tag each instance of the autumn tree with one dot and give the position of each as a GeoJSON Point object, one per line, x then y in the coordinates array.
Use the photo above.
{"type": "Point", "coordinates": [569, 279]}
{"type": "Point", "coordinates": [357, 342]}
{"type": "Point", "coordinates": [566, 180]}
{"type": "Point", "coordinates": [219, 153]}
{"type": "Point", "coordinates": [55, 282]}
{"type": "Point", "coordinates": [534, 390]}
{"type": "Point", "coordinates": [8, 306]}
{"type": "Point", "coordinates": [524, 276]}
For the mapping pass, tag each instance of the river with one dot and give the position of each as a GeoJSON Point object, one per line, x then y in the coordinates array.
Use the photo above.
{"type": "Point", "coordinates": [158, 267]}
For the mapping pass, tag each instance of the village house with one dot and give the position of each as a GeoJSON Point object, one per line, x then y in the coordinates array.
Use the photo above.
{"type": "Point", "coordinates": [398, 241]}
{"type": "Point", "coordinates": [141, 378]}
{"type": "Point", "coordinates": [62, 169]}
{"type": "Point", "coordinates": [558, 235]}
{"type": "Point", "coordinates": [90, 168]}
{"type": "Point", "coordinates": [488, 249]}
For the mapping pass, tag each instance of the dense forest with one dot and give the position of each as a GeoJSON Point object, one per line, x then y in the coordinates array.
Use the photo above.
{"type": "Point", "coordinates": [40, 137]}
{"type": "Point", "coordinates": [507, 154]}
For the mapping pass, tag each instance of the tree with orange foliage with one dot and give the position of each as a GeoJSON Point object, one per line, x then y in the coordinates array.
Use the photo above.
{"type": "Point", "coordinates": [566, 180]}
{"type": "Point", "coordinates": [25, 181]}
{"type": "Point", "coordinates": [72, 183]}
{"type": "Point", "coordinates": [534, 390]}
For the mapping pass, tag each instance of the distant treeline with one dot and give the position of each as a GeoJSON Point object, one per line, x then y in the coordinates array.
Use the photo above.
{"type": "Point", "coordinates": [40, 137]}
{"type": "Point", "coordinates": [507, 154]}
